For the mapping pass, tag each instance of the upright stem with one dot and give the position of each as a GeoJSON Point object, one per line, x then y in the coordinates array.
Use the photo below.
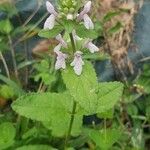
{"type": "Point", "coordinates": [71, 124]}
{"type": "Point", "coordinates": [105, 128]}
{"type": "Point", "coordinates": [13, 58]}
{"type": "Point", "coordinates": [72, 42]}
{"type": "Point", "coordinates": [5, 65]}
{"type": "Point", "coordinates": [74, 102]}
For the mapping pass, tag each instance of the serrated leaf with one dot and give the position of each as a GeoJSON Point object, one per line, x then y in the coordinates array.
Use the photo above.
{"type": "Point", "coordinates": [45, 33]}
{"type": "Point", "coordinates": [36, 147]}
{"type": "Point", "coordinates": [83, 88]}
{"type": "Point", "coordinates": [82, 32]}
{"type": "Point", "coordinates": [7, 135]}
{"type": "Point", "coordinates": [52, 108]}
{"type": "Point", "coordinates": [105, 138]}
{"type": "Point", "coordinates": [109, 94]}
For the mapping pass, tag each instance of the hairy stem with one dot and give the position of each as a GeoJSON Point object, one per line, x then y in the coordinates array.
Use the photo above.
{"type": "Point", "coordinates": [5, 65]}
{"type": "Point", "coordinates": [74, 103]}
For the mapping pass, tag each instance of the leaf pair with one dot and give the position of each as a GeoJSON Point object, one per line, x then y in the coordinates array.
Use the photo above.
{"type": "Point", "coordinates": [55, 109]}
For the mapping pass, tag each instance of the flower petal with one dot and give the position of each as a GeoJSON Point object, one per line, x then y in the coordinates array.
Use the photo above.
{"type": "Point", "coordinates": [75, 36]}
{"type": "Point", "coordinates": [88, 22]}
{"type": "Point", "coordinates": [87, 7]}
{"type": "Point", "coordinates": [60, 61]}
{"type": "Point", "coordinates": [78, 69]}
{"type": "Point", "coordinates": [50, 22]}
{"type": "Point", "coordinates": [77, 63]}
{"type": "Point", "coordinates": [69, 17]}
{"type": "Point", "coordinates": [93, 48]}
{"type": "Point", "coordinates": [61, 40]}
{"type": "Point", "coordinates": [50, 8]}
{"type": "Point", "coordinates": [85, 10]}
{"type": "Point", "coordinates": [57, 48]}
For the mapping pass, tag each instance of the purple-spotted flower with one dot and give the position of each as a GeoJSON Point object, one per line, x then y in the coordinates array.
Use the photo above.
{"type": "Point", "coordinates": [89, 45]}
{"type": "Point", "coordinates": [60, 60]}
{"type": "Point", "coordinates": [50, 21]}
{"type": "Point", "coordinates": [77, 62]}
{"type": "Point", "coordinates": [84, 16]}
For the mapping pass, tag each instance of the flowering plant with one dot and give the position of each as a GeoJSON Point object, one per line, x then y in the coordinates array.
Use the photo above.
{"type": "Point", "coordinates": [70, 90]}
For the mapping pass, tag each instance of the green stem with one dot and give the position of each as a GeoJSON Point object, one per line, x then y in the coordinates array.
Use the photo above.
{"type": "Point", "coordinates": [13, 57]}
{"type": "Point", "coordinates": [71, 123]}
{"type": "Point", "coordinates": [105, 128]}
{"type": "Point", "coordinates": [74, 102]}
{"type": "Point", "coordinates": [72, 42]}
{"type": "Point", "coordinates": [5, 65]}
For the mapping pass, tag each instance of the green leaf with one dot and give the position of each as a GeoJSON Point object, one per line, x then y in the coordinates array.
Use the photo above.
{"type": "Point", "coordinates": [96, 56]}
{"type": "Point", "coordinates": [108, 114]}
{"type": "Point", "coordinates": [52, 109]}
{"type": "Point", "coordinates": [51, 33]}
{"type": "Point", "coordinates": [83, 88]}
{"type": "Point", "coordinates": [110, 15]}
{"type": "Point", "coordinates": [82, 32]}
{"type": "Point", "coordinates": [109, 94]}
{"type": "Point", "coordinates": [132, 109]}
{"type": "Point", "coordinates": [105, 138]}
{"type": "Point", "coordinates": [7, 135]}
{"type": "Point", "coordinates": [36, 147]}
{"type": "Point", "coordinates": [69, 25]}
{"type": "Point", "coordinates": [43, 69]}
{"type": "Point", "coordinates": [6, 92]}
{"type": "Point", "coordinates": [5, 26]}
{"type": "Point", "coordinates": [17, 89]}
{"type": "Point", "coordinates": [3, 46]}
{"type": "Point", "coordinates": [25, 64]}
{"type": "Point", "coordinates": [9, 8]}
{"type": "Point", "coordinates": [115, 28]}
{"type": "Point", "coordinates": [33, 132]}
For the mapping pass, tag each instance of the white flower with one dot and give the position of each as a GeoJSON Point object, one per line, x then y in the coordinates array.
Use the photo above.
{"type": "Point", "coordinates": [50, 21]}
{"type": "Point", "coordinates": [88, 22]}
{"type": "Point", "coordinates": [61, 40]}
{"type": "Point", "coordinates": [60, 60]}
{"type": "Point", "coordinates": [69, 17]}
{"type": "Point", "coordinates": [77, 63]}
{"type": "Point", "coordinates": [58, 47]}
{"type": "Point", "coordinates": [75, 36]}
{"type": "Point", "coordinates": [89, 45]}
{"type": "Point", "coordinates": [83, 16]}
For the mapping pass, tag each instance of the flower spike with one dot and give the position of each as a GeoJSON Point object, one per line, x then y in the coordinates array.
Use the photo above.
{"type": "Point", "coordinates": [77, 63]}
